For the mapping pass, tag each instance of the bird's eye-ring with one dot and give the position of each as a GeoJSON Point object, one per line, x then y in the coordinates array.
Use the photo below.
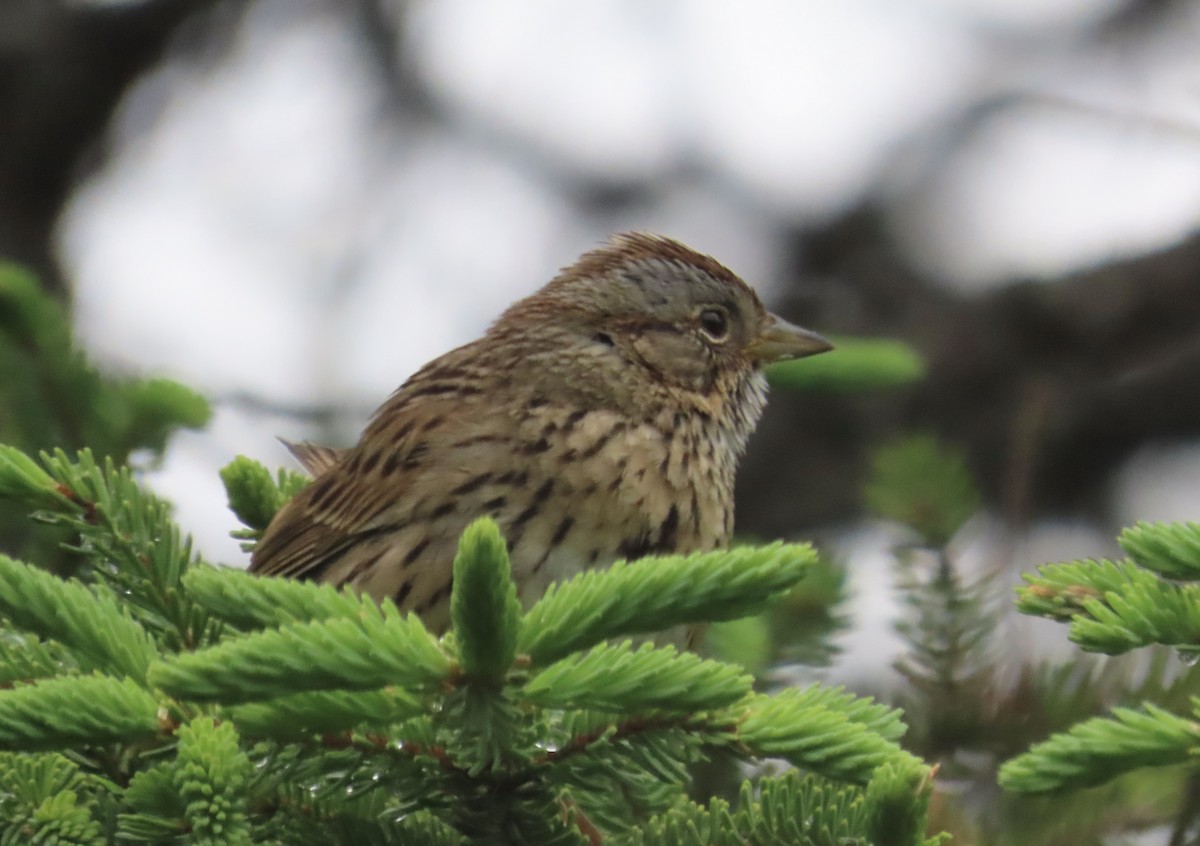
{"type": "Point", "coordinates": [714, 322]}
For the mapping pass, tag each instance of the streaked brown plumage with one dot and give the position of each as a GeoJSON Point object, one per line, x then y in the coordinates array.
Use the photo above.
{"type": "Point", "coordinates": [600, 418]}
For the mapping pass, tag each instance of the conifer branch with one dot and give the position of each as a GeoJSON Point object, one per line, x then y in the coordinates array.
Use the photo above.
{"type": "Point", "coordinates": [922, 484]}
{"type": "Point", "coordinates": [897, 801]}
{"type": "Point", "coordinates": [57, 397]}
{"type": "Point", "coordinates": [129, 534]}
{"type": "Point", "coordinates": [23, 478]}
{"type": "Point", "coordinates": [621, 676]}
{"type": "Point", "coordinates": [48, 794]}
{"type": "Point", "coordinates": [335, 716]}
{"type": "Point", "coordinates": [209, 775]}
{"type": "Point", "coordinates": [656, 593]}
{"type": "Point", "coordinates": [798, 811]}
{"type": "Point", "coordinates": [854, 365]}
{"type": "Point", "coordinates": [254, 496]}
{"type": "Point", "coordinates": [1169, 549]}
{"type": "Point", "coordinates": [372, 650]}
{"type": "Point", "coordinates": [1098, 749]}
{"type": "Point", "coordinates": [325, 711]}
{"type": "Point", "coordinates": [484, 607]}
{"type": "Point", "coordinates": [875, 716]}
{"type": "Point", "coordinates": [608, 733]}
{"type": "Point", "coordinates": [95, 709]}
{"type": "Point", "coordinates": [25, 657]}
{"type": "Point", "coordinates": [815, 737]}
{"type": "Point", "coordinates": [1061, 591]}
{"type": "Point", "coordinates": [250, 602]}
{"type": "Point", "coordinates": [100, 633]}
{"type": "Point", "coordinates": [1114, 606]}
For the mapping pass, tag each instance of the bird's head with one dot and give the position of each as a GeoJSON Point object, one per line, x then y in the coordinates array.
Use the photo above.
{"type": "Point", "coordinates": [645, 310]}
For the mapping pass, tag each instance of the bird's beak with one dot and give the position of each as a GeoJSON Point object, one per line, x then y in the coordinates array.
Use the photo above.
{"type": "Point", "coordinates": [781, 340]}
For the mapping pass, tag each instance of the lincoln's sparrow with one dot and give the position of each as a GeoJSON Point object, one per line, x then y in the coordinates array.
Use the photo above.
{"type": "Point", "coordinates": [600, 418]}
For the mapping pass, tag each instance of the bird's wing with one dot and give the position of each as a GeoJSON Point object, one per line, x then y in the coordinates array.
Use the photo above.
{"type": "Point", "coordinates": [381, 485]}
{"type": "Point", "coordinates": [314, 458]}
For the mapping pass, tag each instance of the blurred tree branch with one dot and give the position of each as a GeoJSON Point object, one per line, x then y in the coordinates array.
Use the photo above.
{"type": "Point", "coordinates": [63, 69]}
{"type": "Point", "coordinates": [1048, 385]}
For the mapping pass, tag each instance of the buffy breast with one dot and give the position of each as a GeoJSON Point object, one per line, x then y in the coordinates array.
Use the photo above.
{"type": "Point", "coordinates": [630, 498]}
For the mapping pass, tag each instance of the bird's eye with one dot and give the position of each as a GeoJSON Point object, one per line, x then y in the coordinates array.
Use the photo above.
{"type": "Point", "coordinates": [715, 323]}
{"type": "Point", "coordinates": [604, 338]}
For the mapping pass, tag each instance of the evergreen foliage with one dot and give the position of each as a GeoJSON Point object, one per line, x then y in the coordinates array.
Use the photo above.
{"type": "Point", "coordinates": [160, 699]}
{"type": "Point", "coordinates": [949, 618]}
{"type": "Point", "coordinates": [924, 485]}
{"type": "Point", "coordinates": [62, 398]}
{"type": "Point", "coordinates": [794, 809]}
{"type": "Point", "coordinates": [855, 364]}
{"type": "Point", "coordinates": [51, 397]}
{"type": "Point", "coordinates": [972, 704]}
{"type": "Point", "coordinates": [255, 496]}
{"type": "Point", "coordinates": [1114, 607]}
